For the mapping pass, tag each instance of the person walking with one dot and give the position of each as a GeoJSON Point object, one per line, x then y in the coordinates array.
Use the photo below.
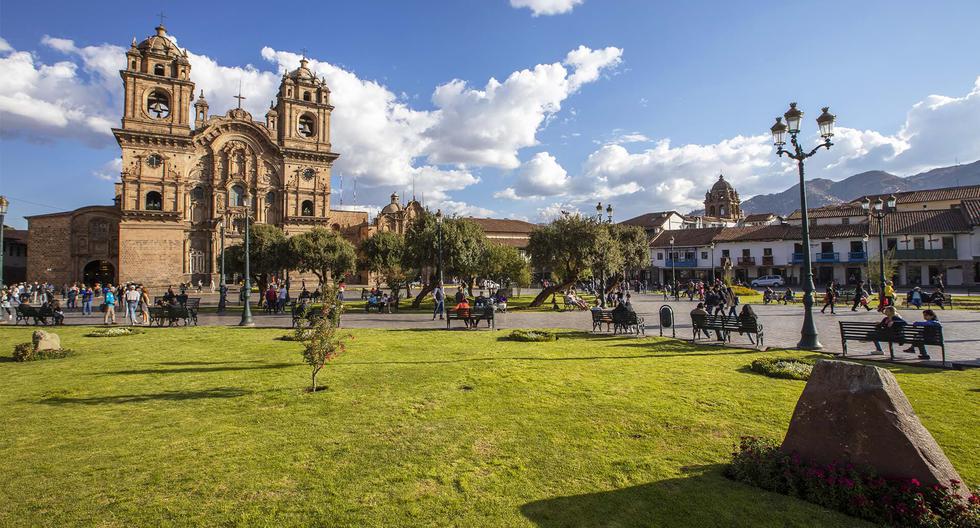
{"type": "Point", "coordinates": [860, 297]}
{"type": "Point", "coordinates": [132, 298]}
{"type": "Point", "coordinates": [144, 306]}
{"type": "Point", "coordinates": [440, 302]}
{"type": "Point", "coordinates": [87, 296]}
{"type": "Point", "coordinates": [830, 297]}
{"type": "Point", "coordinates": [5, 304]}
{"type": "Point", "coordinates": [109, 306]}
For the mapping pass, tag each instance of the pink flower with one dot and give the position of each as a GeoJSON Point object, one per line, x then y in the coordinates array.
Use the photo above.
{"type": "Point", "coordinates": [915, 482]}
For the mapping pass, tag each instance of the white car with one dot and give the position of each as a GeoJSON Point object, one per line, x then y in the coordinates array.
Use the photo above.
{"type": "Point", "coordinates": [768, 280]}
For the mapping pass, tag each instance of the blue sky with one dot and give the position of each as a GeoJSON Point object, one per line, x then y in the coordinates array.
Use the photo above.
{"type": "Point", "coordinates": [641, 103]}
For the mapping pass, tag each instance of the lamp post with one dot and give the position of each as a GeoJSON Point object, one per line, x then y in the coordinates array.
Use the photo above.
{"type": "Point", "coordinates": [793, 116]}
{"type": "Point", "coordinates": [879, 210]}
{"type": "Point", "coordinates": [3, 213]}
{"type": "Point", "coordinates": [673, 273]}
{"type": "Point", "coordinates": [222, 288]}
{"type": "Point", "coordinates": [602, 266]}
{"type": "Point", "coordinates": [247, 310]}
{"type": "Point", "coordinates": [439, 262]}
{"type": "Point", "coordinates": [867, 264]}
{"type": "Point", "coordinates": [712, 246]}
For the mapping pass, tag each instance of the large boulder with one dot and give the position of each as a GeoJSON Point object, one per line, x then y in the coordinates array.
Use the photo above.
{"type": "Point", "coordinates": [45, 340]}
{"type": "Point", "coordinates": [858, 413]}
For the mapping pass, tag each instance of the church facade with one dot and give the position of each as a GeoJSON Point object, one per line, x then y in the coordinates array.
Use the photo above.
{"type": "Point", "coordinates": [189, 177]}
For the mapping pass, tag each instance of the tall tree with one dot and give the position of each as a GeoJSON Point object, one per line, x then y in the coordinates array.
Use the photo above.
{"type": "Point", "coordinates": [268, 254]}
{"type": "Point", "coordinates": [570, 247]}
{"type": "Point", "coordinates": [324, 253]}
{"type": "Point", "coordinates": [505, 264]}
{"type": "Point", "coordinates": [463, 245]}
{"type": "Point", "coordinates": [384, 254]}
{"type": "Point", "coordinates": [634, 247]}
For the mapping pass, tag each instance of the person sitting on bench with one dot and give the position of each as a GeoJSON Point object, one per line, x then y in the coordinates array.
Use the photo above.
{"type": "Point", "coordinates": [699, 310]}
{"type": "Point", "coordinates": [891, 320]}
{"type": "Point", "coordinates": [938, 298]}
{"type": "Point", "coordinates": [930, 322]}
{"type": "Point", "coordinates": [747, 317]}
{"type": "Point", "coordinates": [464, 305]}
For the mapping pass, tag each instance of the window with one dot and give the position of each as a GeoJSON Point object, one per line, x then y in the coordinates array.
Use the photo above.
{"type": "Point", "coordinates": [919, 243]}
{"type": "Point", "coordinates": [746, 252]}
{"type": "Point", "coordinates": [306, 126]}
{"type": "Point", "coordinates": [197, 193]}
{"type": "Point", "coordinates": [159, 70]}
{"type": "Point", "coordinates": [660, 255]}
{"type": "Point", "coordinates": [948, 242]}
{"type": "Point", "coordinates": [154, 201]}
{"type": "Point", "coordinates": [236, 198]}
{"type": "Point", "coordinates": [704, 255]}
{"type": "Point", "coordinates": [307, 208]}
{"type": "Point", "coordinates": [891, 243]}
{"type": "Point", "coordinates": [306, 96]}
{"type": "Point", "coordinates": [725, 253]}
{"type": "Point", "coordinates": [270, 199]}
{"type": "Point", "coordinates": [154, 161]}
{"type": "Point", "coordinates": [767, 252]}
{"type": "Point", "coordinates": [158, 104]}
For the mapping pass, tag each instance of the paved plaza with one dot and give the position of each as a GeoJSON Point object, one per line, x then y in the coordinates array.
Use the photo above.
{"type": "Point", "coordinates": [781, 323]}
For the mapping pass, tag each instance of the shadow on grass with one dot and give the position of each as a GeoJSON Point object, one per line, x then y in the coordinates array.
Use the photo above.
{"type": "Point", "coordinates": [181, 363]}
{"type": "Point", "coordinates": [705, 498]}
{"type": "Point", "coordinates": [220, 392]}
{"type": "Point", "coordinates": [201, 369]}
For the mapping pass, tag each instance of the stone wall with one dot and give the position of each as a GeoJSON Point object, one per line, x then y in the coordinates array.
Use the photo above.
{"type": "Point", "coordinates": [152, 253]}
{"type": "Point", "coordinates": [49, 248]}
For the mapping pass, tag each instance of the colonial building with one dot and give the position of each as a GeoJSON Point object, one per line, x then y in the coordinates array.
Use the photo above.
{"type": "Point", "coordinates": [188, 175]}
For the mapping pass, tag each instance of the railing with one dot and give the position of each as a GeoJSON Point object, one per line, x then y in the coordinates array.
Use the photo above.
{"type": "Point", "coordinates": [857, 256]}
{"type": "Point", "coordinates": [926, 254]}
{"type": "Point", "coordinates": [797, 258]}
{"type": "Point", "coordinates": [767, 260]}
{"type": "Point", "coordinates": [828, 257]}
{"type": "Point", "coordinates": [682, 263]}
{"type": "Point", "coordinates": [746, 261]}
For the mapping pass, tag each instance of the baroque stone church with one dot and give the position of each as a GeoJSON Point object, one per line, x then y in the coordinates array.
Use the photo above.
{"type": "Point", "coordinates": [189, 176]}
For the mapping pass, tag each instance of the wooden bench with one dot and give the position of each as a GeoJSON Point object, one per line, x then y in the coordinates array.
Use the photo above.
{"type": "Point", "coordinates": [472, 316]}
{"type": "Point", "coordinates": [174, 314]}
{"type": "Point", "coordinates": [600, 317]}
{"type": "Point", "coordinates": [746, 326]}
{"type": "Point", "coordinates": [931, 300]}
{"type": "Point", "coordinates": [377, 305]}
{"type": "Point", "coordinates": [702, 324]}
{"type": "Point", "coordinates": [37, 314]}
{"type": "Point", "coordinates": [901, 335]}
{"type": "Point", "coordinates": [630, 324]}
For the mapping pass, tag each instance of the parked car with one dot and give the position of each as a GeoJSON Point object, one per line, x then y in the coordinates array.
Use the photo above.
{"type": "Point", "coordinates": [768, 280]}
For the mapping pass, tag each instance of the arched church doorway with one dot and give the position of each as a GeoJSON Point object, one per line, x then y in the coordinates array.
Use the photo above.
{"type": "Point", "coordinates": [99, 271]}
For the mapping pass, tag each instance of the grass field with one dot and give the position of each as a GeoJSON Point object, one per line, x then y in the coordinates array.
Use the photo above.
{"type": "Point", "coordinates": [213, 427]}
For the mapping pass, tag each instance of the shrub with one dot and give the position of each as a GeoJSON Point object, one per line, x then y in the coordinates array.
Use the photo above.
{"type": "Point", "coordinates": [855, 491]}
{"type": "Point", "coordinates": [785, 368]}
{"type": "Point", "coordinates": [114, 332]}
{"type": "Point", "coordinates": [26, 352]}
{"type": "Point", "coordinates": [743, 290]}
{"type": "Point", "coordinates": [536, 336]}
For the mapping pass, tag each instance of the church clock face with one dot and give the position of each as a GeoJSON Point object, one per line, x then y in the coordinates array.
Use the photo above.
{"type": "Point", "coordinates": [154, 160]}
{"type": "Point", "coordinates": [308, 174]}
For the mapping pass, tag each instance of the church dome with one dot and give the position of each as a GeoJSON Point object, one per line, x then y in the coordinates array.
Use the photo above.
{"type": "Point", "coordinates": [303, 72]}
{"type": "Point", "coordinates": [392, 207]}
{"type": "Point", "coordinates": [721, 185]}
{"type": "Point", "coordinates": [161, 44]}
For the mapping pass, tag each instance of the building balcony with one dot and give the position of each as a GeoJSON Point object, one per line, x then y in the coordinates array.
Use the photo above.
{"type": "Point", "coordinates": [828, 257]}
{"type": "Point", "coordinates": [767, 260]}
{"type": "Point", "coordinates": [797, 258]}
{"type": "Point", "coordinates": [857, 256]}
{"type": "Point", "coordinates": [926, 254]}
{"type": "Point", "coordinates": [746, 261]}
{"type": "Point", "coordinates": [681, 263]}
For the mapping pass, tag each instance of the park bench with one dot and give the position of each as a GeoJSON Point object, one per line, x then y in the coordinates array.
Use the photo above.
{"type": "Point", "coordinates": [376, 305]}
{"type": "Point", "coordinates": [702, 324]}
{"type": "Point", "coordinates": [174, 314]}
{"type": "Point", "coordinates": [747, 326]}
{"type": "Point", "coordinates": [931, 300]}
{"type": "Point", "coordinates": [629, 323]}
{"type": "Point", "coordinates": [37, 314]}
{"type": "Point", "coordinates": [471, 315]}
{"type": "Point", "coordinates": [901, 335]}
{"type": "Point", "coordinates": [601, 317]}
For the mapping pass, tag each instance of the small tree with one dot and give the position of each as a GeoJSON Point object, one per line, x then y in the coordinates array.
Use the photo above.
{"type": "Point", "coordinates": [269, 253]}
{"type": "Point", "coordinates": [323, 341]}
{"type": "Point", "coordinates": [324, 253]}
{"type": "Point", "coordinates": [506, 264]}
{"type": "Point", "coordinates": [384, 254]}
{"type": "Point", "coordinates": [874, 265]}
{"type": "Point", "coordinates": [634, 246]}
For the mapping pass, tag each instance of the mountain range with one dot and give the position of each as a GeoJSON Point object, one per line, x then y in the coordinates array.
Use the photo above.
{"type": "Point", "coordinates": [820, 191]}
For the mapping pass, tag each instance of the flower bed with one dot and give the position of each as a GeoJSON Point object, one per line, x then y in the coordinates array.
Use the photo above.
{"type": "Point", "coordinates": [785, 368]}
{"type": "Point", "coordinates": [114, 332]}
{"type": "Point", "coordinates": [852, 490]}
{"type": "Point", "coordinates": [26, 352]}
{"type": "Point", "coordinates": [536, 336]}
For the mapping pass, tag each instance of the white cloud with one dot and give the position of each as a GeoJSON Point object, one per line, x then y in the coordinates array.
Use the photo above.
{"type": "Point", "coordinates": [546, 7]}
{"type": "Point", "coordinates": [541, 176]}
{"type": "Point", "coordinates": [555, 210]}
{"type": "Point", "coordinates": [507, 193]}
{"type": "Point", "coordinates": [488, 127]}
{"type": "Point", "coordinates": [109, 171]}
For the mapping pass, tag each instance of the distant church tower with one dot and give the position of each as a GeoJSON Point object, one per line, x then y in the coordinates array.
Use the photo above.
{"type": "Point", "coordinates": [722, 201]}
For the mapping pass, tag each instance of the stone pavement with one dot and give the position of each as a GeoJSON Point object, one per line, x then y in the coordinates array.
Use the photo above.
{"type": "Point", "coordinates": [781, 323]}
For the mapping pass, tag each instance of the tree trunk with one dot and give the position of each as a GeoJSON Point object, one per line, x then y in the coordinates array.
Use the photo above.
{"type": "Point", "coordinates": [550, 290]}
{"type": "Point", "coordinates": [315, 372]}
{"type": "Point", "coordinates": [425, 291]}
{"type": "Point", "coordinates": [613, 285]}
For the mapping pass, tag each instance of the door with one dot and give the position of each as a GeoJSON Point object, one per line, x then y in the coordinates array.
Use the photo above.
{"type": "Point", "coordinates": [99, 271]}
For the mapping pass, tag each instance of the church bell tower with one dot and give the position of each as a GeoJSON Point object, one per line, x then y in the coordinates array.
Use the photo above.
{"type": "Point", "coordinates": [157, 87]}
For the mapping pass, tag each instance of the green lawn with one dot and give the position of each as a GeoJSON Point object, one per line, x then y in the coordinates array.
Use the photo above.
{"type": "Point", "coordinates": [212, 427]}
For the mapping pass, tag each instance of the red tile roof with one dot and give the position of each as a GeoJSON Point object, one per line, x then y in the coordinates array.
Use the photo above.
{"type": "Point", "coordinates": [651, 220]}
{"type": "Point", "coordinates": [831, 211]}
{"type": "Point", "coordinates": [503, 225]}
{"type": "Point", "coordinates": [686, 237]}
{"type": "Point", "coordinates": [965, 192]}
{"type": "Point", "coordinates": [924, 222]}
{"type": "Point", "coordinates": [971, 209]}
{"type": "Point", "coordinates": [760, 217]}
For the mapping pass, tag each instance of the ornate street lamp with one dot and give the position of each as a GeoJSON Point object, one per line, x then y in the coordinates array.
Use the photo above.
{"type": "Point", "coordinates": [712, 246]}
{"type": "Point", "coordinates": [247, 310]}
{"type": "Point", "coordinates": [439, 263]}
{"type": "Point", "coordinates": [879, 210]}
{"type": "Point", "coordinates": [867, 261]}
{"type": "Point", "coordinates": [222, 288]}
{"type": "Point", "coordinates": [673, 276]}
{"type": "Point", "coordinates": [3, 213]}
{"type": "Point", "coordinates": [794, 117]}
